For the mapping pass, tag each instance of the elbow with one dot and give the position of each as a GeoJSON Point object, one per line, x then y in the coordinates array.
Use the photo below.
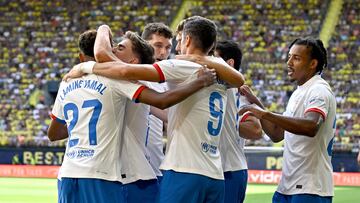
{"type": "Point", "coordinates": [163, 105]}
{"type": "Point", "coordinates": [311, 133]}
{"type": "Point", "coordinates": [51, 137]}
{"type": "Point", "coordinates": [312, 130]}
{"type": "Point", "coordinates": [101, 55]}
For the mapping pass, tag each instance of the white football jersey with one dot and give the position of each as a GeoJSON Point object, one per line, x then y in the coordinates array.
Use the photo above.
{"type": "Point", "coordinates": [155, 134]}
{"type": "Point", "coordinates": [194, 125]}
{"type": "Point", "coordinates": [134, 155]}
{"type": "Point", "coordinates": [307, 160]}
{"type": "Point", "coordinates": [93, 108]}
{"type": "Point", "coordinates": [231, 144]}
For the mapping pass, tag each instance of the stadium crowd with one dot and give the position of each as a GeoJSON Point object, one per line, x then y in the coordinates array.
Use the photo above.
{"type": "Point", "coordinates": [38, 45]}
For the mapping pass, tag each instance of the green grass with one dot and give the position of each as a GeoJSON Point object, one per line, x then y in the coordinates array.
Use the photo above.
{"type": "Point", "coordinates": [28, 190]}
{"type": "Point", "coordinates": [38, 190]}
{"type": "Point", "coordinates": [256, 193]}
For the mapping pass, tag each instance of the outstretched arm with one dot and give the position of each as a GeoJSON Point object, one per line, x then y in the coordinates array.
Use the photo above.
{"type": "Point", "coordinates": [169, 98]}
{"type": "Point", "coordinates": [275, 132]}
{"type": "Point", "coordinates": [57, 131]}
{"type": "Point", "coordinates": [224, 71]}
{"type": "Point", "coordinates": [275, 124]}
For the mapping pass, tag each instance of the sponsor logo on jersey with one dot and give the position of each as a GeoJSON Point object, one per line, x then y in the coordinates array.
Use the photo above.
{"type": "Point", "coordinates": [206, 147]}
{"type": "Point", "coordinates": [80, 153]}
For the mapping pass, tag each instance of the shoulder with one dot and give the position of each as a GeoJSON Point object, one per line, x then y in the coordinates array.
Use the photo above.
{"type": "Point", "coordinates": [175, 63]}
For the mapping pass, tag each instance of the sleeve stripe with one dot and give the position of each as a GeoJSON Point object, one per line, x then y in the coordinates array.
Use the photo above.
{"type": "Point", "coordinates": [245, 116]}
{"type": "Point", "coordinates": [137, 93]}
{"type": "Point", "coordinates": [53, 117]}
{"type": "Point", "coordinates": [317, 111]}
{"type": "Point", "coordinates": [161, 74]}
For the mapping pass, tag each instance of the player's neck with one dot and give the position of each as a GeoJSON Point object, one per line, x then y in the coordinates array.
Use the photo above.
{"type": "Point", "coordinates": [192, 50]}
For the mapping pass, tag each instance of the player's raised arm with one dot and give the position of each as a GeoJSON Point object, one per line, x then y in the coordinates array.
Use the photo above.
{"type": "Point", "coordinates": [223, 70]}
{"type": "Point", "coordinates": [103, 45]}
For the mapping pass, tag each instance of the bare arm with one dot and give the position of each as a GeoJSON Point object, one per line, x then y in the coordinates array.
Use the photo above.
{"type": "Point", "coordinates": [57, 131]}
{"type": "Point", "coordinates": [358, 158]}
{"type": "Point", "coordinates": [169, 98]}
{"type": "Point", "coordinates": [250, 128]}
{"type": "Point", "coordinates": [103, 45]}
{"type": "Point", "coordinates": [307, 126]}
{"type": "Point", "coordinates": [276, 133]}
{"type": "Point", "coordinates": [224, 71]}
{"type": "Point", "coordinates": [124, 71]}
{"type": "Point", "coordinates": [160, 114]}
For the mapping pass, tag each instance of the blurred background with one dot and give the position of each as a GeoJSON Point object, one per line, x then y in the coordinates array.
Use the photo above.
{"type": "Point", "coordinates": [38, 45]}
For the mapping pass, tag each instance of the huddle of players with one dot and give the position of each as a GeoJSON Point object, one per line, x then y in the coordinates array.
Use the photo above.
{"type": "Point", "coordinates": [205, 159]}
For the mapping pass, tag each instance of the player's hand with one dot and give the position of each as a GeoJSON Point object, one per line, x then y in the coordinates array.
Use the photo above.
{"type": "Point", "coordinates": [75, 72]}
{"type": "Point", "coordinates": [358, 158]}
{"type": "Point", "coordinates": [208, 76]}
{"type": "Point", "coordinates": [254, 109]}
{"type": "Point", "coordinates": [249, 94]}
{"type": "Point", "coordinates": [193, 58]}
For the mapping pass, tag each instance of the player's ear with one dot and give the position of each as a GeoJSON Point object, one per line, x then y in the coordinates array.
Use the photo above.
{"type": "Point", "coordinates": [134, 61]}
{"type": "Point", "coordinates": [187, 41]}
{"type": "Point", "coordinates": [81, 57]}
{"type": "Point", "coordinates": [230, 62]}
{"type": "Point", "coordinates": [313, 64]}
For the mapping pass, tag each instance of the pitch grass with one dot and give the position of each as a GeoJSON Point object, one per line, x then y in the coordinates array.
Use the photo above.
{"type": "Point", "coordinates": [39, 190]}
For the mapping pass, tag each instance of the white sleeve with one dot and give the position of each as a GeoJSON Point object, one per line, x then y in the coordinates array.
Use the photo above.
{"type": "Point", "coordinates": [175, 71]}
{"type": "Point", "coordinates": [131, 90]}
{"type": "Point", "coordinates": [318, 101]}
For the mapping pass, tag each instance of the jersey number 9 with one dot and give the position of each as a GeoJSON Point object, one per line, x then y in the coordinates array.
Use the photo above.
{"type": "Point", "coordinates": [216, 113]}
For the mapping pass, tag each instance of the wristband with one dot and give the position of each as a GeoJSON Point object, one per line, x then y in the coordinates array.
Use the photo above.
{"type": "Point", "coordinates": [87, 67]}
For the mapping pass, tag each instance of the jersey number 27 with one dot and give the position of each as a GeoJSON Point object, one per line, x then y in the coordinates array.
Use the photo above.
{"type": "Point", "coordinates": [94, 103]}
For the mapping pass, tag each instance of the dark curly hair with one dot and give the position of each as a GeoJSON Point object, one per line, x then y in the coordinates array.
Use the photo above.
{"type": "Point", "coordinates": [317, 51]}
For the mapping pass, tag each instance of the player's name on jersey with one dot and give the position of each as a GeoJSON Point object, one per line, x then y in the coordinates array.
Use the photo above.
{"type": "Point", "coordinates": [89, 84]}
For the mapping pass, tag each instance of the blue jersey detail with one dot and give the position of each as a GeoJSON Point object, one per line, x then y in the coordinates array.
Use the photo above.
{"type": "Point", "coordinates": [217, 114]}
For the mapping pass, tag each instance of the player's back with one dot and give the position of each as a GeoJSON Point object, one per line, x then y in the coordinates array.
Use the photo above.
{"type": "Point", "coordinates": [134, 155]}
{"type": "Point", "coordinates": [93, 108]}
{"type": "Point", "coordinates": [194, 124]}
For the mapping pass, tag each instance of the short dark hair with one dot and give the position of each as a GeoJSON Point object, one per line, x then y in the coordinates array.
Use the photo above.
{"type": "Point", "coordinates": [202, 31]}
{"type": "Point", "coordinates": [156, 28]}
{"type": "Point", "coordinates": [87, 41]}
{"type": "Point", "coordinates": [317, 51]}
{"type": "Point", "coordinates": [229, 49]}
{"type": "Point", "coordinates": [143, 49]}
